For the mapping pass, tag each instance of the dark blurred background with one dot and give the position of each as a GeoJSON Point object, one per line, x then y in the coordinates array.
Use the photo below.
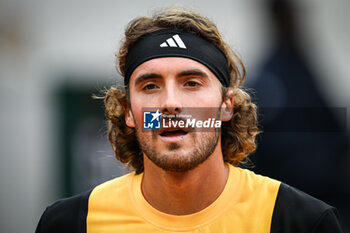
{"type": "Point", "coordinates": [54, 55]}
{"type": "Point", "coordinates": [304, 141]}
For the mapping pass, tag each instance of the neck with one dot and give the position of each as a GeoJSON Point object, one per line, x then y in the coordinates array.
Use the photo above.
{"type": "Point", "coordinates": [181, 193]}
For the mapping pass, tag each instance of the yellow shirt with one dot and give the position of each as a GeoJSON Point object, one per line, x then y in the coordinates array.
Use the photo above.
{"type": "Point", "coordinates": [245, 206]}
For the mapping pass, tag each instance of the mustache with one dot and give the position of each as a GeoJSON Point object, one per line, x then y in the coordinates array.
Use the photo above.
{"type": "Point", "coordinates": [175, 117]}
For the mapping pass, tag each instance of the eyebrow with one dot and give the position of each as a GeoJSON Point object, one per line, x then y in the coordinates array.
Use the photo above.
{"type": "Point", "coordinates": [146, 76]}
{"type": "Point", "coordinates": [193, 72]}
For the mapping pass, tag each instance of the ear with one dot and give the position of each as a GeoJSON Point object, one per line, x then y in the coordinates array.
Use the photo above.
{"type": "Point", "coordinates": [129, 117]}
{"type": "Point", "coordinates": [227, 106]}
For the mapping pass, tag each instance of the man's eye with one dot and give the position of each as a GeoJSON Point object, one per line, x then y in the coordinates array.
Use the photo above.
{"type": "Point", "coordinates": [192, 84]}
{"type": "Point", "coordinates": [150, 86]}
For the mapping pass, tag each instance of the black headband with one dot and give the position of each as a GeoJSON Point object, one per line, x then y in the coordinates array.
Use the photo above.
{"type": "Point", "coordinates": [175, 43]}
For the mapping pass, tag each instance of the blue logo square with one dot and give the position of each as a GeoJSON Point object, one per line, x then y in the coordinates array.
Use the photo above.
{"type": "Point", "coordinates": [151, 120]}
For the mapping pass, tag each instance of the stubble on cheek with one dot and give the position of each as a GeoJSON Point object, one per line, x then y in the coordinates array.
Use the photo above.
{"type": "Point", "coordinates": [154, 135]}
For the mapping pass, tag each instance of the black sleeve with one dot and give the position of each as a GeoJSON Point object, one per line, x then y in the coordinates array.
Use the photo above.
{"type": "Point", "coordinates": [328, 222]}
{"type": "Point", "coordinates": [66, 215]}
{"type": "Point", "coordinates": [297, 212]}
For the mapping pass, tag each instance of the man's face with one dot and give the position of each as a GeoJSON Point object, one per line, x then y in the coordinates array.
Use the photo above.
{"type": "Point", "coordinates": [172, 84]}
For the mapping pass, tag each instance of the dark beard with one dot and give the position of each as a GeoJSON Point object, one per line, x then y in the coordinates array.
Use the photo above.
{"type": "Point", "coordinates": [202, 150]}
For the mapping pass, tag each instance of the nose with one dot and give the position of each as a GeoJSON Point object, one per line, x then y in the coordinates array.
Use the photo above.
{"type": "Point", "coordinates": [171, 101]}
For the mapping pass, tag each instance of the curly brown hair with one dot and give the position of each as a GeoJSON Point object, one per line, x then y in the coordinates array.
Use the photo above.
{"type": "Point", "coordinates": [237, 135]}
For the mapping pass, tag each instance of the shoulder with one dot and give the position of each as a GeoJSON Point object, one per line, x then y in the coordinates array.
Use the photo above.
{"type": "Point", "coordinates": [69, 214]}
{"type": "Point", "coordinates": [296, 211]}
{"type": "Point", "coordinates": [119, 185]}
{"type": "Point", "coordinates": [65, 215]}
{"type": "Point", "coordinates": [256, 182]}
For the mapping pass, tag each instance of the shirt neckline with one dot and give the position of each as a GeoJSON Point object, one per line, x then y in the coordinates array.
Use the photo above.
{"type": "Point", "coordinates": [190, 221]}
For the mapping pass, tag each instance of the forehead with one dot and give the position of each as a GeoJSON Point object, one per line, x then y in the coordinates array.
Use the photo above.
{"type": "Point", "coordinates": [170, 66]}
